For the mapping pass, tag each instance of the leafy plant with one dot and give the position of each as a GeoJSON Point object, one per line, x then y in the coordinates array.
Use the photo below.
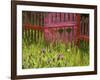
{"type": "Point", "coordinates": [38, 55]}
{"type": "Point", "coordinates": [68, 30]}
{"type": "Point", "coordinates": [60, 31]}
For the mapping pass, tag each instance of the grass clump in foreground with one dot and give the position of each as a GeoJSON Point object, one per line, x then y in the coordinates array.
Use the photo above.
{"type": "Point", "coordinates": [42, 55]}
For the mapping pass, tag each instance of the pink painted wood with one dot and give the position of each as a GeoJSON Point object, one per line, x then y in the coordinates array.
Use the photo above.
{"type": "Point", "coordinates": [53, 21]}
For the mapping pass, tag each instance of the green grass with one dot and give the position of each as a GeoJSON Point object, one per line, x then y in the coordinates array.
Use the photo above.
{"type": "Point", "coordinates": [47, 55]}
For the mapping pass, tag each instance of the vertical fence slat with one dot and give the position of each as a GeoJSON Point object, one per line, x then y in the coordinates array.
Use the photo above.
{"type": "Point", "coordinates": [78, 28]}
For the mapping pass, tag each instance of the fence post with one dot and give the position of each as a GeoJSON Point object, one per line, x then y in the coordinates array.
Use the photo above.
{"type": "Point", "coordinates": [35, 25]}
{"type": "Point", "coordinates": [78, 29]}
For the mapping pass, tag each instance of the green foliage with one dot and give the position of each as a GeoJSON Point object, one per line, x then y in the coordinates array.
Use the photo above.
{"type": "Point", "coordinates": [41, 55]}
{"type": "Point", "coordinates": [60, 31]}
{"type": "Point", "coordinates": [68, 30]}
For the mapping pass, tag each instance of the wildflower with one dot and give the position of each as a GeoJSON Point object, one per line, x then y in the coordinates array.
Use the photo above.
{"type": "Point", "coordinates": [60, 56]}
{"type": "Point", "coordinates": [43, 50]}
{"type": "Point", "coordinates": [48, 61]}
{"type": "Point", "coordinates": [68, 50]}
{"type": "Point", "coordinates": [65, 63]}
{"type": "Point", "coordinates": [49, 51]}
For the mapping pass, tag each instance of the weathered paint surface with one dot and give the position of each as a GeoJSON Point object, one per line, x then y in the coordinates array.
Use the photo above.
{"type": "Point", "coordinates": [56, 21]}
